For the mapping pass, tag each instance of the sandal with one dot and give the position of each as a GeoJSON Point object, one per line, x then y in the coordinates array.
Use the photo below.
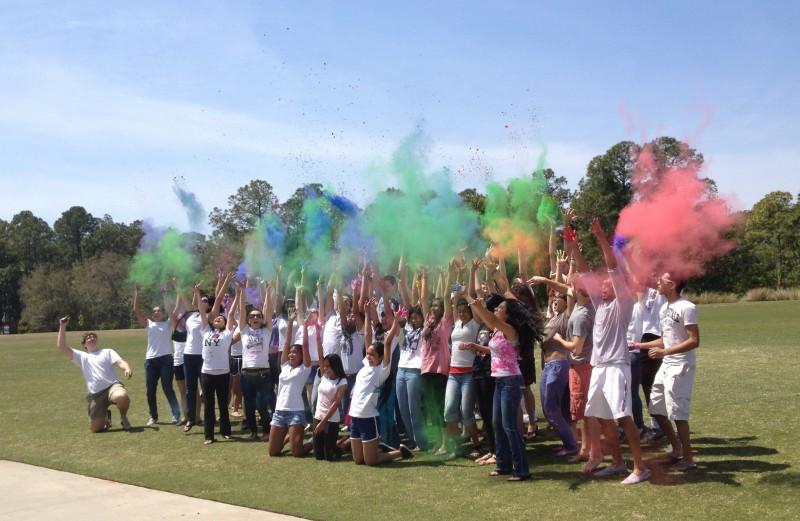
{"type": "Point", "coordinates": [519, 478]}
{"type": "Point", "coordinates": [498, 473]}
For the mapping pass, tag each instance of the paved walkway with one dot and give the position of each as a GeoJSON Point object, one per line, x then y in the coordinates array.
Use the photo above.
{"type": "Point", "coordinates": [36, 493]}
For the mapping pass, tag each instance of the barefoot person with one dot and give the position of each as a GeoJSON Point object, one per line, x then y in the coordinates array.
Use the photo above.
{"type": "Point", "coordinates": [102, 384]}
{"type": "Point", "coordinates": [671, 396]}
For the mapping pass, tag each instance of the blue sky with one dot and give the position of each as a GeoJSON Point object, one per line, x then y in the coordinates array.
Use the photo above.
{"type": "Point", "coordinates": [102, 104]}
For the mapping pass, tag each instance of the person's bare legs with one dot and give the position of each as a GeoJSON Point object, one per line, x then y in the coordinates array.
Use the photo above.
{"type": "Point", "coordinates": [632, 433]}
{"type": "Point", "coordinates": [374, 456]}
{"type": "Point", "coordinates": [358, 451]}
{"type": "Point", "coordinates": [669, 432]}
{"type": "Point", "coordinates": [612, 439]}
{"type": "Point", "coordinates": [277, 437]}
{"type": "Point", "coordinates": [182, 392]}
{"type": "Point", "coordinates": [98, 424]}
{"type": "Point", "coordinates": [530, 408]}
{"type": "Point", "coordinates": [122, 401]}
{"type": "Point", "coordinates": [236, 393]}
{"type": "Point", "coordinates": [296, 440]}
{"type": "Point", "coordinates": [592, 428]}
{"type": "Point", "coordinates": [686, 446]}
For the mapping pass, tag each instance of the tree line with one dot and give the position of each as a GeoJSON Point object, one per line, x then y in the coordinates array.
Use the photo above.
{"type": "Point", "coordinates": [81, 263]}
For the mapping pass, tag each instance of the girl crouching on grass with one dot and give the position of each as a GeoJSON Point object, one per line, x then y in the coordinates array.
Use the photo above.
{"type": "Point", "coordinates": [330, 393]}
{"type": "Point", "coordinates": [290, 415]}
{"type": "Point", "coordinates": [364, 403]}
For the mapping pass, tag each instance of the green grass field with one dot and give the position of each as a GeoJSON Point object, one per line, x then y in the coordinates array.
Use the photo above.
{"type": "Point", "coordinates": [745, 426]}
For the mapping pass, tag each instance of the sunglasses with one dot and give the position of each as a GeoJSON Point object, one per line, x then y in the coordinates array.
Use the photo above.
{"type": "Point", "coordinates": [256, 316]}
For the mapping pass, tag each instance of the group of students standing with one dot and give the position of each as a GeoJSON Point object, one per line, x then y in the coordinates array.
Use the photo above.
{"type": "Point", "coordinates": [419, 356]}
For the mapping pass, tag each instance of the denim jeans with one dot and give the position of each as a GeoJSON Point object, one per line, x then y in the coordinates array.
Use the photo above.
{"type": "Point", "coordinates": [257, 392]}
{"type": "Point", "coordinates": [388, 425]}
{"type": "Point", "coordinates": [553, 388]}
{"type": "Point", "coordinates": [409, 401]}
{"type": "Point", "coordinates": [192, 364]}
{"type": "Point", "coordinates": [155, 369]}
{"type": "Point", "coordinates": [510, 455]}
{"type": "Point", "coordinates": [459, 399]}
{"type": "Point", "coordinates": [215, 385]}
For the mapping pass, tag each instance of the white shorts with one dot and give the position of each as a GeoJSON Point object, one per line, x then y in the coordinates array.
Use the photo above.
{"type": "Point", "coordinates": [609, 395]}
{"type": "Point", "coordinates": [671, 395]}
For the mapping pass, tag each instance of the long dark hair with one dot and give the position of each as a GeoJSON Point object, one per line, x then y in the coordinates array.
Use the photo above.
{"type": "Point", "coordinates": [335, 361]}
{"type": "Point", "coordinates": [527, 324]}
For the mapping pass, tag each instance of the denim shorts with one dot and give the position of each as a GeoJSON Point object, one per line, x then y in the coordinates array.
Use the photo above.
{"type": "Point", "coordinates": [364, 429]}
{"type": "Point", "coordinates": [288, 418]}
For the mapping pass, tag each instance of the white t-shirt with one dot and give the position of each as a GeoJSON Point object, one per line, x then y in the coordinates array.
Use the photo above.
{"type": "Point", "coordinates": [177, 356]}
{"type": "Point", "coordinates": [326, 394]}
{"type": "Point", "coordinates": [283, 326]}
{"type": "Point", "coordinates": [635, 327]}
{"type": "Point", "coordinates": [194, 337]}
{"type": "Point", "coordinates": [97, 367]}
{"type": "Point", "coordinates": [312, 345]}
{"type": "Point", "coordinates": [409, 353]}
{"type": "Point", "coordinates": [159, 336]}
{"type": "Point", "coordinates": [291, 384]}
{"type": "Point", "coordinates": [463, 333]}
{"type": "Point", "coordinates": [367, 389]}
{"type": "Point", "coordinates": [611, 322]}
{"type": "Point", "coordinates": [255, 347]}
{"type": "Point", "coordinates": [351, 350]}
{"type": "Point", "coordinates": [216, 350]}
{"type": "Point", "coordinates": [675, 317]}
{"type": "Point", "coordinates": [331, 335]}
{"type": "Point", "coordinates": [652, 303]}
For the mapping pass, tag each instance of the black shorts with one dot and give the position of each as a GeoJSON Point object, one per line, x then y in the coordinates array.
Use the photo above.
{"type": "Point", "coordinates": [179, 373]}
{"type": "Point", "coordinates": [236, 365]}
{"type": "Point", "coordinates": [527, 366]}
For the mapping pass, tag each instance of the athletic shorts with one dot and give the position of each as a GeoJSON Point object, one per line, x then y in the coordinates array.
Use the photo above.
{"type": "Point", "coordinates": [99, 402]}
{"type": "Point", "coordinates": [579, 377]}
{"type": "Point", "coordinates": [671, 395]}
{"type": "Point", "coordinates": [609, 392]}
{"type": "Point", "coordinates": [179, 373]}
{"type": "Point", "coordinates": [364, 429]}
{"type": "Point", "coordinates": [288, 418]}
{"type": "Point", "coordinates": [235, 365]}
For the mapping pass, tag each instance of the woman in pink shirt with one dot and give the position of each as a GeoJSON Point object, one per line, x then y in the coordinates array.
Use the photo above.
{"type": "Point", "coordinates": [434, 349]}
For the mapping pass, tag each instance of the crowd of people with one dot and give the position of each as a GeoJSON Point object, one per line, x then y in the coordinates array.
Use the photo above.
{"type": "Point", "coordinates": [440, 361]}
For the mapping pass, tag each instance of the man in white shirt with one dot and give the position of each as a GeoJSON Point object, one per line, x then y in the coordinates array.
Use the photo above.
{"type": "Point", "coordinates": [670, 399]}
{"type": "Point", "coordinates": [103, 386]}
{"type": "Point", "coordinates": [609, 397]}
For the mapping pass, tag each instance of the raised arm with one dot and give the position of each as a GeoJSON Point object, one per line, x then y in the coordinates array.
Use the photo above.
{"type": "Point", "coordinates": [287, 342]}
{"type": "Point", "coordinates": [239, 305]}
{"type": "Point", "coordinates": [473, 273]}
{"type": "Point", "coordinates": [602, 241]}
{"type": "Point", "coordinates": [423, 294]}
{"type": "Point", "coordinates": [551, 249]}
{"type": "Point", "coordinates": [552, 284]}
{"type": "Point", "coordinates": [501, 280]}
{"type": "Point", "coordinates": [478, 307]}
{"type": "Point", "coordinates": [137, 310]}
{"type": "Point", "coordinates": [306, 355]}
{"type": "Point", "coordinates": [218, 297]}
{"type": "Point", "coordinates": [402, 284]}
{"type": "Point", "coordinates": [387, 346]}
{"type": "Point", "coordinates": [61, 343]}
{"type": "Point", "coordinates": [449, 306]}
{"type": "Point", "coordinates": [203, 316]}
{"type": "Point", "coordinates": [173, 317]}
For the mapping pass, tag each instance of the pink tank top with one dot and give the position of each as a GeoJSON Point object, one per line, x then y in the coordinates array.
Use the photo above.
{"type": "Point", "coordinates": [504, 355]}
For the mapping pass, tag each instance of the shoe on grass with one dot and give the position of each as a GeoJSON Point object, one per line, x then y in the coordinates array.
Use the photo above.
{"type": "Point", "coordinates": [126, 424]}
{"type": "Point", "coordinates": [611, 471]}
{"type": "Point", "coordinates": [405, 452]}
{"type": "Point", "coordinates": [151, 422]}
{"type": "Point", "coordinates": [684, 466]}
{"type": "Point", "coordinates": [634, 478]}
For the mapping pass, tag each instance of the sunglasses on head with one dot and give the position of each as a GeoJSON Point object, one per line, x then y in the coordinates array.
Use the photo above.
{"type": "Point", "coordinates": [204, 299]}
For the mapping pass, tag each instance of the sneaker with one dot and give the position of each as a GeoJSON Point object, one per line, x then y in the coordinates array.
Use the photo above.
{"type": "Point", "coordinates": [208, 442]}
{"type": "Point", "coordinates": [684, 466]}
{"type": "Point", "coordinates": [634, 478]}
{"type": "Point", "coordinates": [150, 422]}
{"type": "Point", "coordinates": [406, 452]}
{"type": "Point", "coordinates": [442, 451]}
{"type": "Point", "coordinates": [611, 471]}
{"type": "Point", "coordinates": [126, 425]}
{"type": "Point", "coordinates": [176, 421]}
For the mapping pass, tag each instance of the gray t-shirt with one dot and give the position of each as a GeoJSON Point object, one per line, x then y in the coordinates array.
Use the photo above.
{"type": "Point", "coordinates": [580, 324]}
{"type": "Point", "coordinates": [556, 324]}
{"type": "Point", "coordinates": [611, 321]}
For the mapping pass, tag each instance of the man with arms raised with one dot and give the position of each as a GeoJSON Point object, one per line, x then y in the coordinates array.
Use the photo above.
{"type": "Point", "coordinates": [103, 386]}
{"type": "Point", "coordinates": [609, 397]}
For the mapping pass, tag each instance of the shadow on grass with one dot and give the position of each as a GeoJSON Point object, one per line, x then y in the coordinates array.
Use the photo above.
{"type": "Point", "coordinates": [786, 479]}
